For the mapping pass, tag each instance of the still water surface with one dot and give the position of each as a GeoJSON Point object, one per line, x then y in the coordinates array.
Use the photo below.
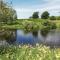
{"type": "Point", "coordinates": [52, 38]}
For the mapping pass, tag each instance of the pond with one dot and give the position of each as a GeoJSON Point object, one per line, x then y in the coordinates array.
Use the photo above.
{"type": "Point", "coordinates": [52, 38]}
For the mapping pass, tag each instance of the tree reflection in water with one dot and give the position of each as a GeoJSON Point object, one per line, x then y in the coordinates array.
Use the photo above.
{"type": "Point", "coordinates": [35, 33]}
{"type": "Point", "coordinates": [7, 36]}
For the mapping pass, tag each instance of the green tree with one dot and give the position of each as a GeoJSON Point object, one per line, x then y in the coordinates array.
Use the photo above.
{"type": "Point", "coordinates": [45, 15]}
{"type": "Point", "coordinates": [35, 15]}
{"type": "Point", "coordinates": [7, 13]}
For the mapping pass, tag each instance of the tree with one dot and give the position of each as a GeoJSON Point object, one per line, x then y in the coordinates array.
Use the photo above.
{"type": "Point", "coordinates": [35, 15]}
{"type": "Point", "coordinates": [45, 15]}
{"type": "Point", "coordinates": [7, 13]}
{"type": "Point", "coordinates": [52, 18]}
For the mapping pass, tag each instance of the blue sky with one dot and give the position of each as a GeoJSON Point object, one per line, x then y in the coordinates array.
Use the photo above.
{"type": "Point", "coordinates": [25, 8]}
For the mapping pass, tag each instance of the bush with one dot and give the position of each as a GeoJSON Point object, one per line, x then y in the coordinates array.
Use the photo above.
{"type": "Point", "coordinates": [47, 27]}
{"type": "Point", "coordinates": [52, 18]}
{"type": "Point", "coordinates": [58, 18]}
{"type": "Point", "coordinates": [46, 23]}
{"type": "Point", "coordinates": [30, 26]}
{"type": "Point", "coordinates": [53, 25]}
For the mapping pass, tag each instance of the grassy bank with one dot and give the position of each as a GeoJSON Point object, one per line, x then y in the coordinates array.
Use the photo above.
{"type": "Point", "coordinates": [29, 53]}
{"type": "Point", "coordinates": [22, 23]}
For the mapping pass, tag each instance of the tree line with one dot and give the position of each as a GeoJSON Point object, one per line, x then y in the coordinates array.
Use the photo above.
{"type": "Point", "coordinates": [45, 15]}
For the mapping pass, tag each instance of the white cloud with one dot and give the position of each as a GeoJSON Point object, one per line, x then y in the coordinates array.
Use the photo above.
{"type": "Point", "coordinates": [53, 6]}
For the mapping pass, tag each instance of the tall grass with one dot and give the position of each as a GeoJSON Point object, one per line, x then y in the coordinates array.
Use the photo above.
{"type": "Point", "coordinates": [29, 53]}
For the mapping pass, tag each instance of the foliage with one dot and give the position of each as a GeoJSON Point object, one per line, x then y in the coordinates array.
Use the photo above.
{"type": "Point", "coordinates": [46, 23]}
{"type": "Point", "coordinates": [7, 13]}
{"type": "Point", "coordinates": [29, 53]}
{"type": "Point", "coordinates": [52, 18]}
{"type": "Point", "coordinates": [30, 26]}
{"type": "Point", "coordinates": [45, 15]}
{"type": "Point", "coordinates": [47, 27]}
{"type": "Point", "coordinates": [36, 23]}
{"type": "Point", "coordinates": [35, 15]}
{"type": "Point", "coordinates": [58, 18]}
{"type": "Point", "coordinates": [50, 25]}
{"type": "Point", "coordinates": [53, 25]}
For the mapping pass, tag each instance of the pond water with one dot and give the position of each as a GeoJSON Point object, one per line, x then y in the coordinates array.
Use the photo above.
{"type": "Point", "coordinates": [52, 38]}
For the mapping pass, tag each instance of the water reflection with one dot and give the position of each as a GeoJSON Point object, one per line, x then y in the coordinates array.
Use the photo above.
{"type": "Point", "coordinates": [35, 33]}
{"type": "Point", "coordinates": [45, 31]}
{"type": "Point", "coordinates": [11, 37]}
{"type": "Point", "coordinates": [51, 39]}
{"type": "Point", "coordinates": [7, 36]}
{"type": "Point", "coordinates": [26, 38]}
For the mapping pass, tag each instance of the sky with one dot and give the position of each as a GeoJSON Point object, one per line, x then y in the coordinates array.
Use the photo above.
{"type": "Point", "coordinates": [25, 8]}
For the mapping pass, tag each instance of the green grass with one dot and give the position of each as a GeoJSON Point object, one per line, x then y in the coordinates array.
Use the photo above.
{"type": "Point", "coordinates": [30, 53]}
{"type": "Point", "coordinates": [20, 23]}
{"type": "Point", "coordinates": [57, 23]}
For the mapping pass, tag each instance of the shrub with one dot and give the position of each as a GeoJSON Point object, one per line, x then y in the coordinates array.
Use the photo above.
{"type": "Point", "coordinates": [46, 23]}
{"type": "Point", "coordinates": [30, 26]}
{"type": "Point", "coordinates": [50, 25]}
{"type": "Point", "coordinates": [52, 18]}
{"type": "Point", "coordinates": [58, 18]}
{"type": "Point", "coordinates": [53, 25]}
{"type": "Point", "coordinates": [47, 27]}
